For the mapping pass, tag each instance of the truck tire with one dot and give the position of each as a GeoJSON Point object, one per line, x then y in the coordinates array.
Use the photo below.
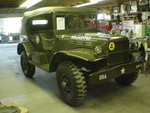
{"type": "Point", "coordinates": [126, 80]}
{"type": "Point", "coordinates": [27, 68]}
{"type": "Point", "coordinates": [71, 83]}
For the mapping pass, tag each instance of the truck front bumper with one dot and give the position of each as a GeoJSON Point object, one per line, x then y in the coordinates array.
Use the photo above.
{"type": "Point", "coordinates": [106, 74]}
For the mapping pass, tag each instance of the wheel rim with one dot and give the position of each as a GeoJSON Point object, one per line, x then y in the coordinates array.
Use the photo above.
{"type": "Point", "coordinates": [66, 84]}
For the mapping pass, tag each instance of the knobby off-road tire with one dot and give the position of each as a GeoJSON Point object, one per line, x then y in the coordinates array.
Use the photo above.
{"type": "Point", "coordinates": [126, 80]}
{"type": "Point", "coordinates": [27, 68]}
{"type": "Point", "coordinates": [71, 83]}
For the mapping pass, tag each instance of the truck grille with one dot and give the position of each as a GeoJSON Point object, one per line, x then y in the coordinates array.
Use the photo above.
{"type": "Point", "coordinates": [118, 58]}
{"type": "Point", "coordinates": [120, 53]}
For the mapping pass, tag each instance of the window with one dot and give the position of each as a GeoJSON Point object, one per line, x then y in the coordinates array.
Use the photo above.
{"type": "Point", "coordinates": [39, 22]}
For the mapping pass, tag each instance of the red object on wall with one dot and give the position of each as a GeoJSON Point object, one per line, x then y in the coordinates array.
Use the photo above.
{"type": "Point", "coordinates": [117, 28]}
{"type": "Point", "coordinates": [110, 25]}
{"type": "Point", "coordinates": [105, 25]}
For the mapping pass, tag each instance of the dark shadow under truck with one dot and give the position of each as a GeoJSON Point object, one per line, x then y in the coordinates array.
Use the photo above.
{"type": "Point", "coordinates": [66, 40]}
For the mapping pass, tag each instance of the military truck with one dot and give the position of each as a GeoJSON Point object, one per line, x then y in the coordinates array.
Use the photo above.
{"type": "Point", "coordinates": [66, 40]}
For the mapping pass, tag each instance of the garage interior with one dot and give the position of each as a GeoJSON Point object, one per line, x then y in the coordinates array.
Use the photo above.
{"type": "Point", "coordinates": [130, 18]}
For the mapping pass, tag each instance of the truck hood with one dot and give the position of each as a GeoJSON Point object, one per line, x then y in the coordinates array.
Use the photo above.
{"type": "Point", "coordinates": [89, 36]}
{"type": "Point", "coordinates": [90, 40]}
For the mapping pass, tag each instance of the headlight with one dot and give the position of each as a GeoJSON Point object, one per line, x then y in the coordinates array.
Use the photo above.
{"type": "Point", "coordinates": [98, 50]}
{"type": "Point", "coordinates": [134, 46]}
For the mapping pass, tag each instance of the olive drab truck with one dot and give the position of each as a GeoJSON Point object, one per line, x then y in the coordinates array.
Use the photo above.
{"type": "Point", "coordinates": [66, 40]}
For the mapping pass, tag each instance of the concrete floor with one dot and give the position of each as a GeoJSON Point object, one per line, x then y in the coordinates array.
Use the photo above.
{"type": "Point", "coordinates": [40, 94]}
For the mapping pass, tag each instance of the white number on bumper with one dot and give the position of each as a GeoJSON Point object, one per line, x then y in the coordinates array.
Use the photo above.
{"type": "Point", "coordinates": [101, 77]}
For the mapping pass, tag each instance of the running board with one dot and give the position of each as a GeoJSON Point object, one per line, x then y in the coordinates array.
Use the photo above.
{"type": "Point", "coordinates": [43, 66]}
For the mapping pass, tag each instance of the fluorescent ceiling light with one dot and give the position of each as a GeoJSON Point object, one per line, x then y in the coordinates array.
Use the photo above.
{"type": "Point", "coordinates": [84, 4]}
{"type": "Point", "coordinates": [30, 3]}
{"type": "Point", "coordinates": [90, 3]}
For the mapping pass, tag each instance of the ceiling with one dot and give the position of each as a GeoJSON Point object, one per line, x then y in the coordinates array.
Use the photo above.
{"type": "Point", "coordinates": [10, 8]}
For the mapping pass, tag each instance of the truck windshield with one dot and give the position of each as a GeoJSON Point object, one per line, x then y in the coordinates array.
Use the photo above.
{"type": "Point", "coordinates": [75, 22]}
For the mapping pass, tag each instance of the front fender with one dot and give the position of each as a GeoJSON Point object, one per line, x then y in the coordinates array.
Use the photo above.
{"type": "Point", "coordinates": [25, 46]}
{"type": "Point", "coordinates": [79, 54]}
